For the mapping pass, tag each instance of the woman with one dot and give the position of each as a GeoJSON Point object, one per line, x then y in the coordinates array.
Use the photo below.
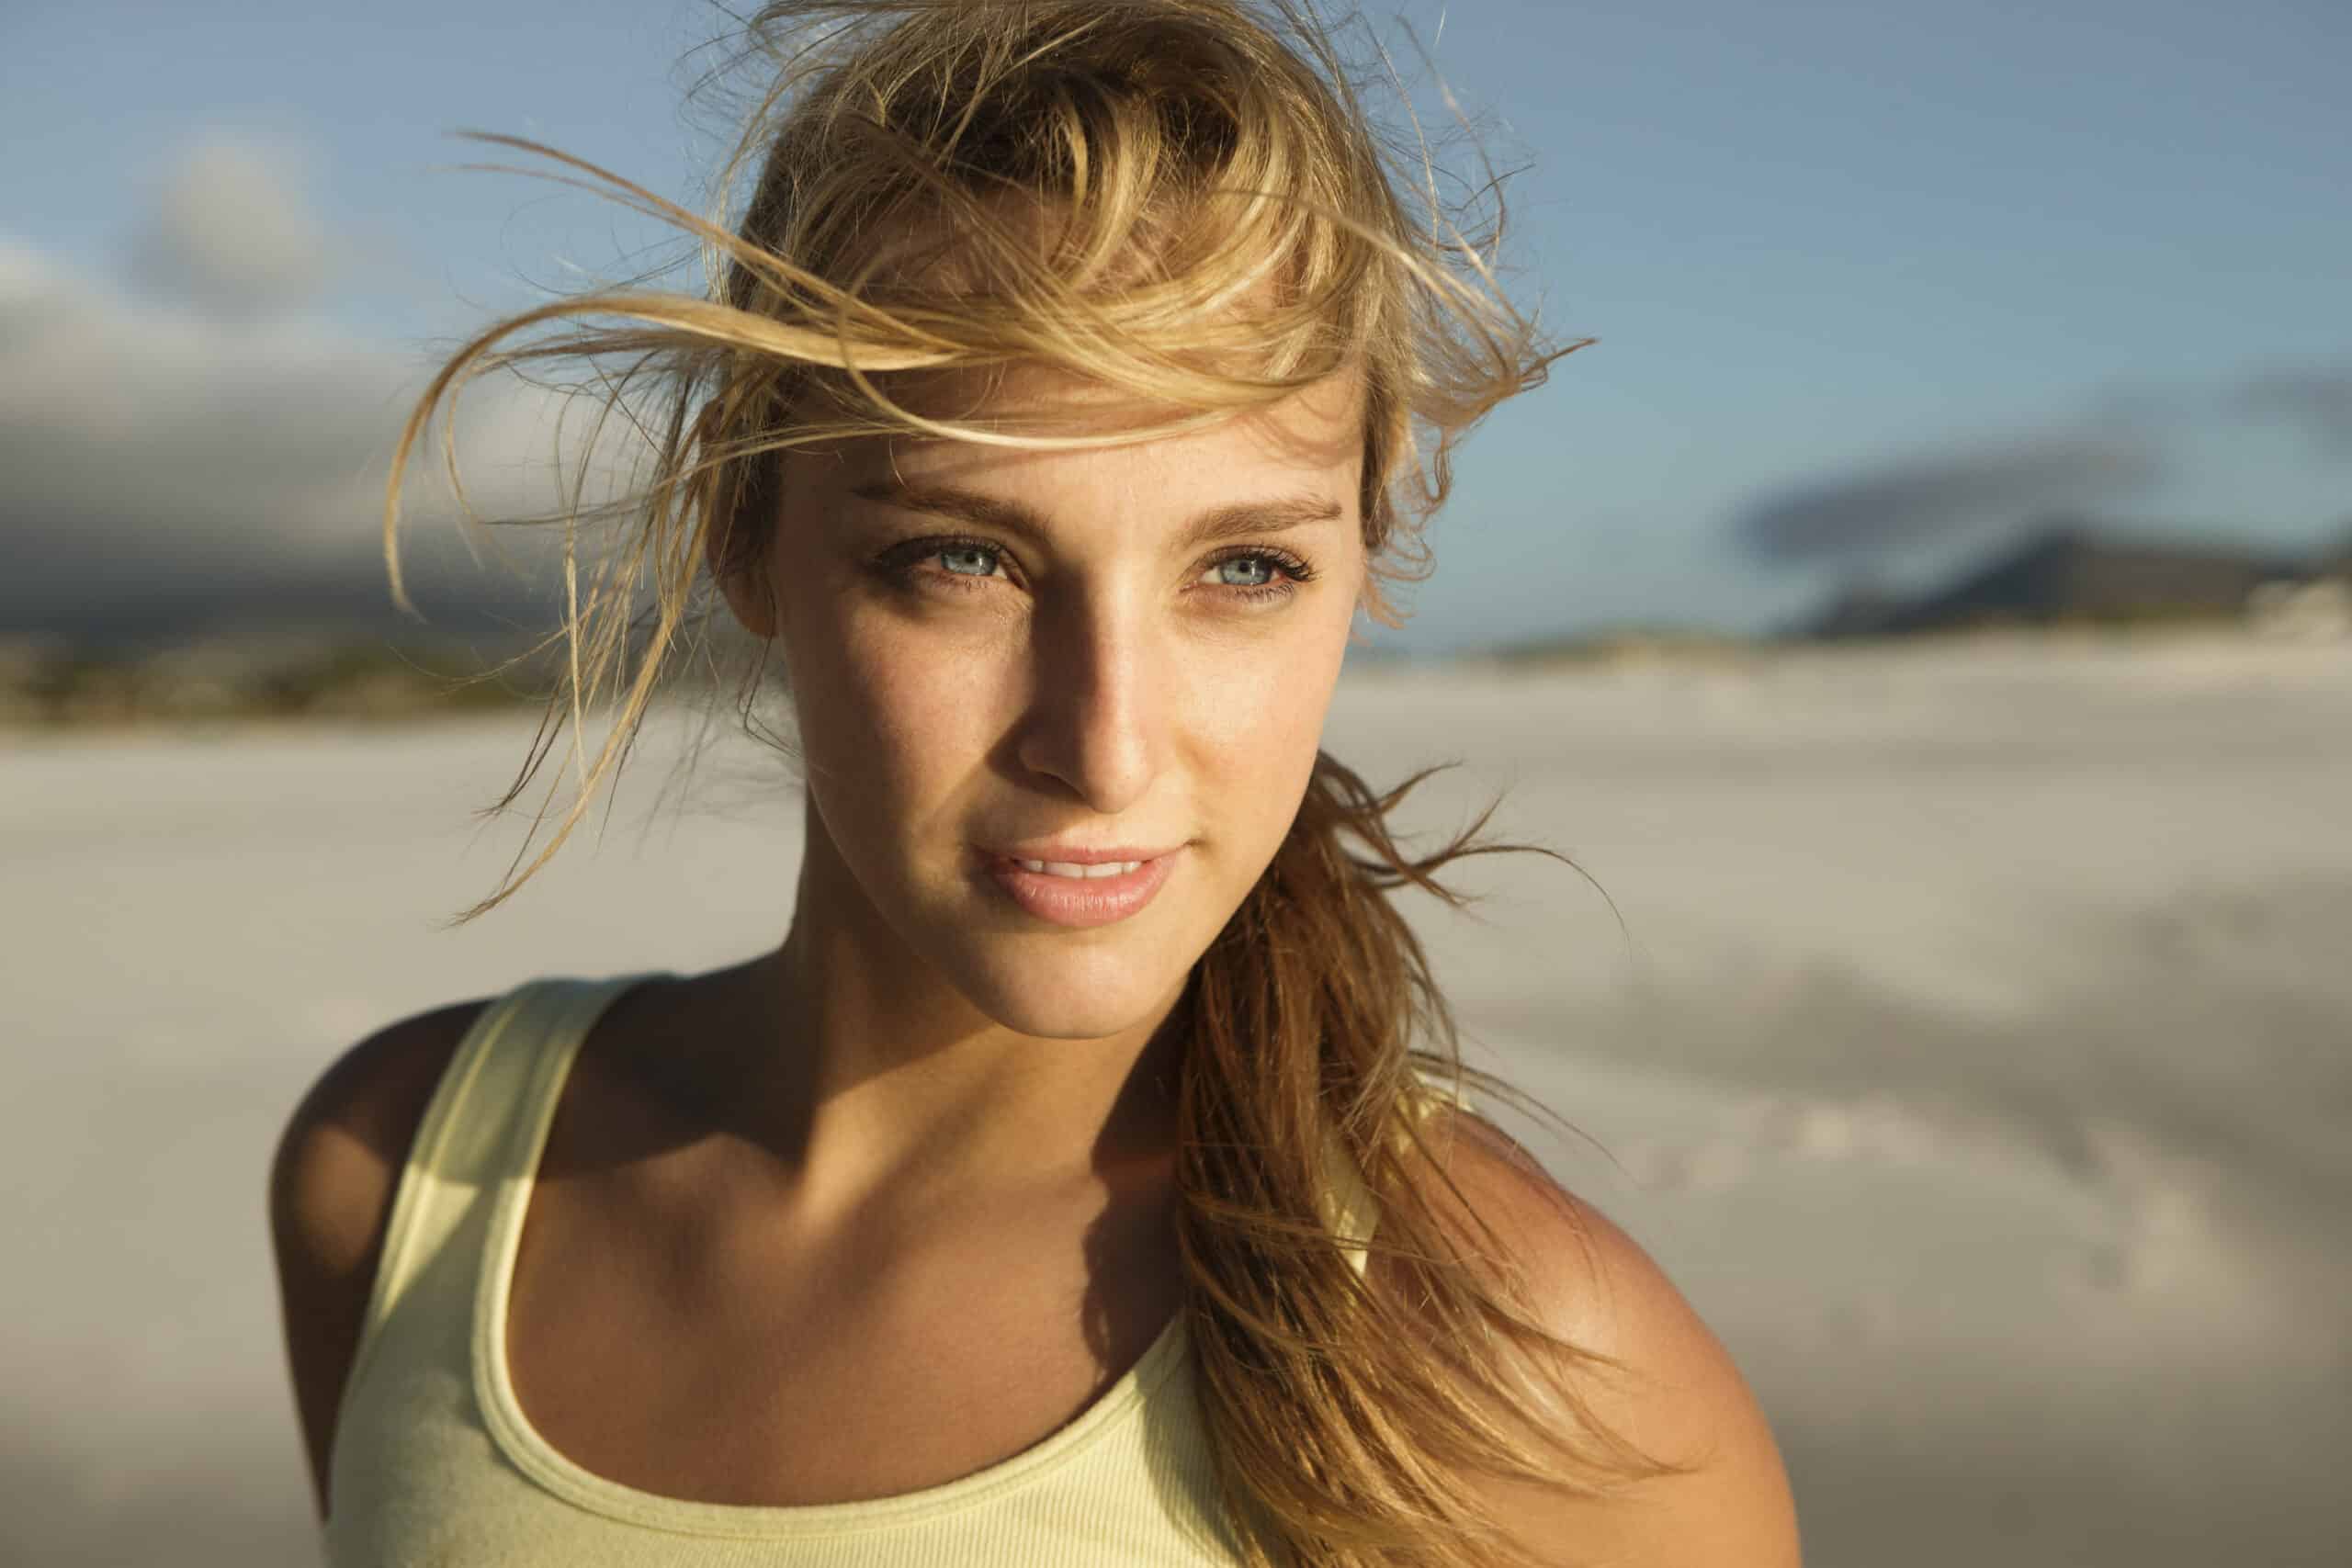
{"type": "Point", "coordinates": [1071, 375]}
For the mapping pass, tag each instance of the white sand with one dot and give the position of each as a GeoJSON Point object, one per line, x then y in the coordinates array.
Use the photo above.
{"type": "Point", "coordinates": [1979, 1059]}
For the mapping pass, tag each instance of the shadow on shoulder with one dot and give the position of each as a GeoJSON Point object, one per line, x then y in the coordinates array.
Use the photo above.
{"type": "Point", "coordinates": [332, 1182]}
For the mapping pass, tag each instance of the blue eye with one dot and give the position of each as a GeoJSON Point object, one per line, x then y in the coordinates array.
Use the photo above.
{"type": "Point", "coordinates": [902, 564]}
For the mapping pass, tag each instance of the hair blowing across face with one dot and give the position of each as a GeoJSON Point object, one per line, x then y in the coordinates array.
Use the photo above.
{"type": "Point", "coordinates": [1185, 200]}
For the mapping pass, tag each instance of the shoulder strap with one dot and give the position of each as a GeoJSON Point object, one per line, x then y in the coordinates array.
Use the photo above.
{"type": "Point", "coordinates": [457, 1150]}
{"type": "Point", "coordinates": [1349, 1213]}
{"type": "Point", "coordinates": [478, 1139]}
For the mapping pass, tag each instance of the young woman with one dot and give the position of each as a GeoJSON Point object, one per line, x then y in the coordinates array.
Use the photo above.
{"type": "Point", "coordinates": [1066, 1186]}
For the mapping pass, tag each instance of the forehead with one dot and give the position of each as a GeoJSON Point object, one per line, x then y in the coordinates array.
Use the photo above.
{"type": "Point", "coordinates": [1319, 426]}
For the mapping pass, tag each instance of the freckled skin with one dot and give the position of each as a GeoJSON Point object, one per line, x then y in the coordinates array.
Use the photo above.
{"type": "Point", "coordinates": [1113, 687]}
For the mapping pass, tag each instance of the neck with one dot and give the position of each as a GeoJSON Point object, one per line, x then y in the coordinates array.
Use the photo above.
{"type": "Point", "coordinates": [871, 1085]}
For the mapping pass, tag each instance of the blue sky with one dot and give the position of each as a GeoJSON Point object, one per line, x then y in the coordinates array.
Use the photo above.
{"type": "Point", "coordinates": [1874, 284]}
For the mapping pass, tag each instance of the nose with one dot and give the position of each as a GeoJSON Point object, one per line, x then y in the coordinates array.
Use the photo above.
{"type": "Point", "coordinates": [1102, 689]}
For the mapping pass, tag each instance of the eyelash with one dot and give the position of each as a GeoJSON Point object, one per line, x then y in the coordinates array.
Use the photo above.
{"type": "Point", "coordinates": [898, 564]}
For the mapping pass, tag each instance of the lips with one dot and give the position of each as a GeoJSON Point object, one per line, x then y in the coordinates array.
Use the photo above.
{"type": "Point", "coordinates": [1083, 902]}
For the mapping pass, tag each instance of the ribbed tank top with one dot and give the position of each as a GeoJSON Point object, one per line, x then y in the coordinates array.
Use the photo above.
{"type": "Point", "coordinates": [435, 1463]}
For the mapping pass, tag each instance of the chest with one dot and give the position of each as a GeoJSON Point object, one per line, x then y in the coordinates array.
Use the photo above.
{"type": "Point", "coordinates": [680, 1349]}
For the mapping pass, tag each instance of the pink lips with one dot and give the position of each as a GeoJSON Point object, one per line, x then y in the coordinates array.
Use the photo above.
{"type": "Point", "coordinates": [1090, 901]}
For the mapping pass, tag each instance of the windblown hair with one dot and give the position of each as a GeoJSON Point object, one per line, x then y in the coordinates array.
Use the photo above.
{"type": "Point", "coordinates": [1183, 200]}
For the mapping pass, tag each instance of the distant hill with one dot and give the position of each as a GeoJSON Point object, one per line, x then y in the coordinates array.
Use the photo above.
{"type": "Point", "coordinates": [2335, 559]}
{"type": "Point", "coordinates": [143, 614]}
{"type": "Point", "coordinates": [2070, 570]}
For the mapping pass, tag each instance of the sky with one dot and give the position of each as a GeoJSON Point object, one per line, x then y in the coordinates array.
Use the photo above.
{"type": "Point", "coordinates": [1874, 287]}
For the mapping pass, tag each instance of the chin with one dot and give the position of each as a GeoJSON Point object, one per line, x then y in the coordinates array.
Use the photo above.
{"type": "Point", "coordinates": [1077, 996]}
{"type": "Point", "coordinates": [1054, 1011]}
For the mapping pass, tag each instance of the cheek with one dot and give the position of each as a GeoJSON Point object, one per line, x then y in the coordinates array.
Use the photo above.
{"type": "Point", "coordinates": [890, 749]}
{"type": "Point", "coordinates": [859, 683]}
{"type": "Point", "coordinates": [1259, 728]}
{"type": "Point", "coordinates": [897, 720]}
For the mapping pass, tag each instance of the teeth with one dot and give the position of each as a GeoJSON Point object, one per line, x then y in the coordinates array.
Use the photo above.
{"type": "Point", "coordinates": [1063, 868]}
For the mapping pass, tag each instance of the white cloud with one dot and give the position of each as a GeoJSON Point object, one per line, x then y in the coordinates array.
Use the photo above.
{"type": "Point", "coordinates": [134, 429]}
{"type": "Point", "coordinates": [232, 231]}
{"type": "Point", "coordinates": [158, 450]}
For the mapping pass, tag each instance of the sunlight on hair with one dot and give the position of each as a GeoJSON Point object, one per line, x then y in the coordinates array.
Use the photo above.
{"type": "Point", "coordinates": [1184, 202]}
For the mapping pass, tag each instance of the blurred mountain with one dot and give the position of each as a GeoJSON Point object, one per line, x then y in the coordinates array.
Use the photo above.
{"type": "Point", "coordinates": [145, 611]}
{"type": "Point", "coordinates": [288, 642]}
{"type": "Point", "coordinates": [2335, 560]}
{"type": "Point", "coordinates": [2069, 570]}
{"type": "Point", "coordinates": [1858, 609]}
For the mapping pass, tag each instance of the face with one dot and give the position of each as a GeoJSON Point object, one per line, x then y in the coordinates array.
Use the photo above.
{"type": "Point", "coordinates": [1098, 676]}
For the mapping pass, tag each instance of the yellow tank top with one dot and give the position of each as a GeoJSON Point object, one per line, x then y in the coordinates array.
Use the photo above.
{"type": "Point", "coordinates": [435, 1463]}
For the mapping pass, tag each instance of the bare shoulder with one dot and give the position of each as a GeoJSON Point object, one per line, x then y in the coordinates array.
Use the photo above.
{"type": "Point", "coordinates": [332, 1182]}
{"type": "Point", "coordinates": [340, 1152]}
{"type": "Point", "coordinates": [1680, 1399]}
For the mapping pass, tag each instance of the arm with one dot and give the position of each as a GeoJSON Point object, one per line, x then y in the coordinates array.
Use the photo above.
{"type": "Point", "coordinates": [332, 1183]}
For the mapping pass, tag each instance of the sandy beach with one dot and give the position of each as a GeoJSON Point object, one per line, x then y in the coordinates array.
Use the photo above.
{"type": "Point", "coordinates": [1976, 1050]}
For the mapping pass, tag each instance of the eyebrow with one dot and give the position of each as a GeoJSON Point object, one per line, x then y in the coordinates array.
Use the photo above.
{"type": "Point", "coordinates": [1232, 520]}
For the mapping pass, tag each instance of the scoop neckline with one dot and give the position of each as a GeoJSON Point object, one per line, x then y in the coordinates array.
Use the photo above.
{"type": "Point", "coordinates": [530, 1452]}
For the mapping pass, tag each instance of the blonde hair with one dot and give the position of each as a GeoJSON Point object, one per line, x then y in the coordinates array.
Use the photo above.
{"type": "Point", "coordinates": [1183, 200]}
